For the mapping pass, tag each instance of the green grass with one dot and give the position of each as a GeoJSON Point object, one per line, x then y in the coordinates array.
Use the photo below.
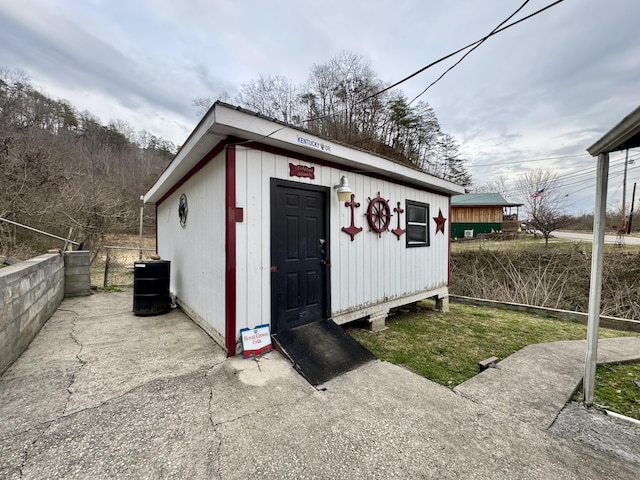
{"type": "Point", "coordinates": [446, 347]}
{"type": "Point", "coordinates": [111, 288]}
{"type": "Point", "coordinates": [615, 389]}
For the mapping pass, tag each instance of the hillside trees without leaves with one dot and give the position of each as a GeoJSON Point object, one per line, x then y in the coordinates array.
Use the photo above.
{"type": "Point", "coordinates": [63, 169]}
{"type": "Point", "coordinates": [340, 101]}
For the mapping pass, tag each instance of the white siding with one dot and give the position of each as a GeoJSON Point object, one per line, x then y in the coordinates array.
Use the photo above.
{"type": "Point", "coordinates": [364, 272]}
{"type": "Point", "coordinates": [197, 251]}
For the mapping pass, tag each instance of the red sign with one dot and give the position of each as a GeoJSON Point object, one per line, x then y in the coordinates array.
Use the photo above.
{"type": "Point", "coordinates": [302, 171]}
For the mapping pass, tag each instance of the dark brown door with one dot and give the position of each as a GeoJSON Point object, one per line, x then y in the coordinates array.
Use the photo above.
{"type": "Point", "coordinates": [299, 250]}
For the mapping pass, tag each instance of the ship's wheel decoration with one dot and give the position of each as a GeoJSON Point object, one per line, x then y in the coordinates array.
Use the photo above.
{"type": "Point", "coordinates": [398, 232]}
{"type": "Point", "coordinates": [352, 230]}
{"type": "Point", "coordinates": [378, 215]}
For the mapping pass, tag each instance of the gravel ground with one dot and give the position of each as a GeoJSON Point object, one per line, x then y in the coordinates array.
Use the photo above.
{"type": "Point", "coordinates": [598, 430]}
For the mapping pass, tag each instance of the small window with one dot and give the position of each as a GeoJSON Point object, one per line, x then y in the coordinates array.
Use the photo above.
{"type": "Point", "coordinates": [417, 224]}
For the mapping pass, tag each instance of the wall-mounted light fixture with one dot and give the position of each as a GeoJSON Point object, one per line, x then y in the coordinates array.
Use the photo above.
{"type": "Point", "coordinates": [343, 189]}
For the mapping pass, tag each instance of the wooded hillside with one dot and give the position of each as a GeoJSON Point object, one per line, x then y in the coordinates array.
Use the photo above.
{"type": "Point", "coordinates": [64, 169]}
{"type": "Point", "coordinates": [61, 168]}
{"type": "Point", "coordinates": [344, 100]}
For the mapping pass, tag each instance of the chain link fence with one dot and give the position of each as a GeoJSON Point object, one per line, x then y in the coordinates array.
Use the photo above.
{"type": "Point", "coordinates": [118, 265]}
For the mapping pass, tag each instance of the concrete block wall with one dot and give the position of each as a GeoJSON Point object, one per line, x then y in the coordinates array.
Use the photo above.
{"type": "Point", "coordinates": [30, 292]}
{"type": "Point", "coordinates": [77, 274]}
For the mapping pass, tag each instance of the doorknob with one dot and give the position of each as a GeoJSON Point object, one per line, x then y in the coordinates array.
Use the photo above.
{"type": "Point", "coordinates": [323, 251]}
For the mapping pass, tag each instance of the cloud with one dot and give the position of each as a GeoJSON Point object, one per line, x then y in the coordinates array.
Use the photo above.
{"type": "Point", "coordinates": [547, 87]}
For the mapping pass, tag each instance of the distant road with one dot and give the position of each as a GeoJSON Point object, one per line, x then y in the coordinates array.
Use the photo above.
{"type": "Point", "coordinates": [588, 237]}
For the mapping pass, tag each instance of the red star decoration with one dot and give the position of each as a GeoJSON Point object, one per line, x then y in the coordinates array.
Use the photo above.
{"type": "Point", "coordinates": [440, 221]}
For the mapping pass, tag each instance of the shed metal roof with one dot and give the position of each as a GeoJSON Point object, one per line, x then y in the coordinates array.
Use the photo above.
{"type": "Point", "coordinates": [224, 120]}
{"type": "Point", "coordinates": [626, 134]}
{"type": "Point", "coordinates": [481, 200]}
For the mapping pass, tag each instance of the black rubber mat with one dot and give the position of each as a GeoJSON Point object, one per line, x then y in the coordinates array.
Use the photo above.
{"type": "Point", "coordinates": [321, 350]}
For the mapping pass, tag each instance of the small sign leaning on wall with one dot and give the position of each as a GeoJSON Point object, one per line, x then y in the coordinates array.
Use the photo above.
{"type": "Point", "coordinates": [256, 340]}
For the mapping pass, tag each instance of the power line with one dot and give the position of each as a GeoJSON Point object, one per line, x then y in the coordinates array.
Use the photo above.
{"type": "Point", "coordinates": [583, 171]}
{"type": "Point", "coordinates": [541, 159]}
{"type": "Point", "coordinates": [572, 178]}
{"type": "Point", "coordinates": [515, 162]}
{"type": "Point", "coordinates": [466, 54]}
{"type": "Point", "coordinates": [426, 67]}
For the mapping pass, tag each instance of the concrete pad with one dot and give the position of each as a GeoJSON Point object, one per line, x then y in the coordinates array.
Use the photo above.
{"type": "Point", "coordinates": [381, 421]}
{"type": "Point", "coordinates": [130, 397]}
{"type": "Point", "coordinates": [535, 383]}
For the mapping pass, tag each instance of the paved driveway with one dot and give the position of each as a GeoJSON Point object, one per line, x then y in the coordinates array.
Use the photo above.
{"type": "Point", "coordinates": [588, 237]}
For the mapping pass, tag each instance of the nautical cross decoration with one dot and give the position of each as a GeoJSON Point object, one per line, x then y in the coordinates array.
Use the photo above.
{"type": "Point", "coordinates": [352, 230]}
{"type": "Point", "coordinates": [398, 231]}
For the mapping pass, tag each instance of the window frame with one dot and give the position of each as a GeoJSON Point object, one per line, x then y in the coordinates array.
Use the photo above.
{"type": "Point", "coordinates": [415, 204]}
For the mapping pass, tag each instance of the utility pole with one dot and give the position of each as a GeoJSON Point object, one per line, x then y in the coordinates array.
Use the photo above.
{"type": "Point", "coordinates": [633, 196]}
{"type": "Point", "coordinates": [624, 193]}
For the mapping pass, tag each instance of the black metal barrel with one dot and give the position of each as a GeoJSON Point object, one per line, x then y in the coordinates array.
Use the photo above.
{"type": "Point", "coordinates": [151, 287]}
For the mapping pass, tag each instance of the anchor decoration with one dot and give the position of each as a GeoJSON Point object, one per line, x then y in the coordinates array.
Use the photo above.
{"type": "Point", "coordinates": [378, 215]}
{"type": "Point", "coordinates": [398, 232]}
{"type": "Point", "coordinates": [352, 230]}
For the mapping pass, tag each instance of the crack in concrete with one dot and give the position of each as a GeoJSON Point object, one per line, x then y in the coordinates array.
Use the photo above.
{"type": "Point", "coordinates": [49, 423]}
{"type": "Point", "coordinates": [124, 394]}
{"type": "Point", "coordinates": [217, 473]}
{"type": "Point", "coordinates": [209, 406]}
{"type": "Point", "coordinates": [80, 360]}
{"type": "Point", "coordinates": [261, 410]}
{"type": "Point", "coordinates": [25, 454]}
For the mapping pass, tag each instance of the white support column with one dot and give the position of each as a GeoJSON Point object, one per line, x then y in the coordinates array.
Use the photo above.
{"type": "Point", "coordinates": [595, 288]}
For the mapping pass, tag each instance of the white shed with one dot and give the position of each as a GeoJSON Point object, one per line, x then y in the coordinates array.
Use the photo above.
{"type": "Point", "coordinates": [249, 216]}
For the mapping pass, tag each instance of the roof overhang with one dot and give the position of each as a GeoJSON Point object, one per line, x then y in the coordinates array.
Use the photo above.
{"type": "Point", "coordinates": [625, 134]}
{"type": "Point", "coordinates": [224, 121]}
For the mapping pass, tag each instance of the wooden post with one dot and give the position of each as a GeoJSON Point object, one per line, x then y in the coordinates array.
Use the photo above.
{"type": "Point", "coordinates": [595, 288]}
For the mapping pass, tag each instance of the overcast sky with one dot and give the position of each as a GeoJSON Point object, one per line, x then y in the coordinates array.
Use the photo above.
{"type": "Point", "coordinates": [547, 88]}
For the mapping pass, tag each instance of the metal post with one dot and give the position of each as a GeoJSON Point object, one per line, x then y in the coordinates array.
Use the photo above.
{"type": "Point", "coordinates": [106, 267]}
{"type": "Point", "coordinates": [37, 231]}
{"type": "Point", "coordinates": [141, 217]}
{"type": "Point", "coordinates": [633, 196]}
{"type": "Point", "coordinates": [66, 242]}
{"type": "Point", "coordinates": [595, 288]}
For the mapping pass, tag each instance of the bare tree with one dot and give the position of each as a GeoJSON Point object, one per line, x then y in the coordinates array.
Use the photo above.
{"type": "Point", "coordinates": [543, 201]}
{"type": "Point", "coordinates": [203, 104]}
{"type": "Point", "coordinates": [271, 96]}
{"type": "Point", "coordinates": [62, 168]}
{"type": "Point", "coordinates": [499, 185]}
{"type": "Point", "coordinates": [342, 100]}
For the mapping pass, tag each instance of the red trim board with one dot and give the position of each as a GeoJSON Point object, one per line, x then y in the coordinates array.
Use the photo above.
{"type": "Point", "coordinates": [230, 251]}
